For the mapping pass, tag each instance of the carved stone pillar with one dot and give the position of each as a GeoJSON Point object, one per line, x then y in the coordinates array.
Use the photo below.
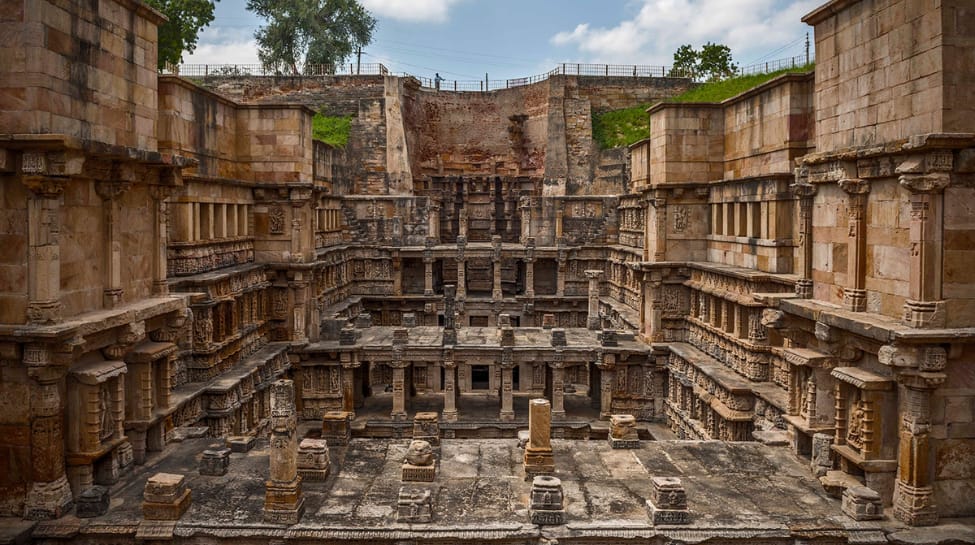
{"type": "Point", "coordinates": [283, 501]}
{"type": "Point", "coordinates": [525, 206]}
{"type": "Point", "coordinates": [804, 192]}
{"type": "Point", "coordinates": [399, 384]}
{"type": "Point", "coordinates": [924, 308]}
{"type": "Point", "coordinates": [44, 252]}
{"type": "Point", "coordinates": [496, 293]}
{"type": "Point", "coordinates": [558, 384]}
{"type": "Point", "coordinates": [913, 490]}
{"type": "Point", "coordinates": [855, 294]}
{"type": "Point", "coordinates": [507, 406]}
{"type": "Point", "coordinates": [560, 274]}
{"type": "Point", "coordinates": [449, 387]}
{"type": "Point", "coordinates": [350, 362]}
{"type": "Point", "coordinates": [530, 267]}
{"type": "Point", "coordinates": [607, 373]}
{"type": "Point", "coordinates": [49, 496]}
{"type": "Point", "coordinates": [558, 225]}
{"type": "Point", "coordinates": [592, 320]}
{"type": "Point", "coordinates": [397, 272]}
{"type": "Point", "coordinates": [461, 269]}
{"type": "Point", "coordinates": [300, 288]}
{"type": "Point", "coordinates": [110, 191]}
{"type": "Point", "coordinates": [428, 273]}
{"type": "Point", "coordinates": [462, 224]}
{"type": "Point", "coordinates": [658, 223]}
{"type": "Point", "coordinates": [160, 229]}
{"type": "Point", "coordinates": [433, 221]}
{"type": "Point", "coordinates": [655, 321]}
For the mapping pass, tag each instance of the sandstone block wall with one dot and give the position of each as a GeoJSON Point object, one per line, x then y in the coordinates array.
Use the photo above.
{"type": "Point", "coordinates": [82, 69]}
{"type": "Point", "coordinates": [269, 144]}
{"type": "Point", "coordinates": [890, 69]}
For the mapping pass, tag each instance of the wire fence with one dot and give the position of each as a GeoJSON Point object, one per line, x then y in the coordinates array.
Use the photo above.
{"type": "Point", "coordinates": [243, 70]}
{"type": "Point", "coordinates": [773, 66]}
{"type": "Point", "coordinates": [487, 84]}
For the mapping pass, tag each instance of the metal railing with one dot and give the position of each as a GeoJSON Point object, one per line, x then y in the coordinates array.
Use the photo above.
{"type": "Point", "coordinates": [241, 70]}
{"type": "Point", "coordinates": [774, 66]}
{"type": "Point", "coordinates": [487, 84]}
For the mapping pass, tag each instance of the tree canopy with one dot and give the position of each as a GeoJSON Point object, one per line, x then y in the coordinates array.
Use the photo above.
{"type": "Point", "coordinates": [179, 34]}
{"type": "Point", "coordinates": [305, 33]}
{"type": "Point", "coordinates": [711, 63]}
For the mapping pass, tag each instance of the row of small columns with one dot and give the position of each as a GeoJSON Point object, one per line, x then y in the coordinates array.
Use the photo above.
{"type": "Point", "coordinates": [925, 177]}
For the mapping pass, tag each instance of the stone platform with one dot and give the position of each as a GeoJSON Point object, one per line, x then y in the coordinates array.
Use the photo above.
{"type": "Point", "coordinates": [743, 491]}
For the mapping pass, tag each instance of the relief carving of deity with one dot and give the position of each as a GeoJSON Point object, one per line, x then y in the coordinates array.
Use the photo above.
{"type": "Point", "coordinates": [854, 432]}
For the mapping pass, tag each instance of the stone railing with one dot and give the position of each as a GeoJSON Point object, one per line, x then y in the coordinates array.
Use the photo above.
{"type": "Point", "coordinates": [186, 258]}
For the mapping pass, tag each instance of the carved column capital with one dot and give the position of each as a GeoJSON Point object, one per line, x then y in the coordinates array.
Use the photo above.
{"type": "Point", "coordinates": [934, 182]}
{"type": "Point", "coordinates": [45, 187]}
{"type": "Point", "coordinates": [854, 186]}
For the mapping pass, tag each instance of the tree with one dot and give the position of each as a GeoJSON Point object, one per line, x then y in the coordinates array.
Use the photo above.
{"type": "Point", "coordinates": [685, 62]}
{"type": "Point", "coordinates": [310, 32]}
{"type": "Point", "coordinates": [713, 62]}
{"type": "Point", "coordinates": [178, 35]}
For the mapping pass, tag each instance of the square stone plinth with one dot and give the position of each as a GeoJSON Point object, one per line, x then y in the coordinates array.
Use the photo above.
{"type": "Point", "coordinates": [414, 504]}
{"type": "Point", "coordinates": [215, 462]}
{"type": "Point", "coordinates": [862, 503]}
{"type": "Point", "coordinates": [426, 427]}
{"type": "Point", "coordinates": [164, 488]}
{"type": "Point", "coordinates": [93, 502]}
{"type": "Point", "coordinates": [422, 474]}
{"type": "Point", "coordinates": [623, 443]}
{"type": "Point", "coordinates": [337, 428]}
{"type": "Point", "coordinates": [173, 510]}
{"type": "Point", "coordinates": [313, 460]}
{"type": "Point", "coordinates": [659, 517]}
{"type": "Point", "coordinates": [241, 443]}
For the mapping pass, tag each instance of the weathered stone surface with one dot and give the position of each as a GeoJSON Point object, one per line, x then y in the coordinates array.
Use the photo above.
{"type": "Point", "coordinates": [93, 502]}
{"type": "Point", "coordinates": [215, 462]}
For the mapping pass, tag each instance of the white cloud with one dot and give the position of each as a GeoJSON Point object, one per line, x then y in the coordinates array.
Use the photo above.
{"type": "Point", "coordinates": [234, 52]}
{"type": "Point", "coordinates": [750, 27]}
{"type": "Point", "coordinates": [414, 11]}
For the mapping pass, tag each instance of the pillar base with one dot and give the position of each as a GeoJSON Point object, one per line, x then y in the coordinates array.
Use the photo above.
{"type": "Point", "coordinates": [855, 300]}
{"type": "Point", "coordinates": [284, 502]}
{"type": "Point", "coordinates": [397, 416]}
{"type": "Point", "coordinates": [915, 505]}
{"type": "Point", "coordinates": [450, 416]}
{"type": "Point", "coordinates": [924, 314]}
{"type": "Point", "coordinates": [593, 322]}
{"type": "Point", "coordinates": [558, 415]}
{"type": "Point", "coordinates": [507, 416]}
{"type": "Point", "coordinates": [804, 288]}
{"type": "Point", "coordinates": [49, 500]}
{"type": "Point", "coordinates": [538, 462]}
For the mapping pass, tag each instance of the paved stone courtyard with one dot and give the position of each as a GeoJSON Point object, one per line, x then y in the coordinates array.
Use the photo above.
{"type": "Point", "coordinates": [480, 486]}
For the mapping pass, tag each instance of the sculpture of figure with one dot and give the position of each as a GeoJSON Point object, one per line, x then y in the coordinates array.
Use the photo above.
{"type": "Point", "coordinates": [854, 434]}
{"type": "Point", "coordinates": [420, 453]}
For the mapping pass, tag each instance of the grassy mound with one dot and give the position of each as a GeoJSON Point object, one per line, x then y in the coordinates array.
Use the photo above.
{"type": "Point", "coordinates": [619, 128]}
{"type": "Point", "coordinates": [333, 130]}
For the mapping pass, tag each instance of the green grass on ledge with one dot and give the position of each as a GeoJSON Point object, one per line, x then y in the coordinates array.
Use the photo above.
{"type": "Point", "coordinates": [333, 130]}
{"type": "Point", "coordinates": [717, 91]}
{"type": "Point", "coordinates": [620, 128]}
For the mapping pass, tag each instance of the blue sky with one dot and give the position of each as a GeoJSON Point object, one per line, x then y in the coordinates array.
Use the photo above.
{"type": "Point", "coordinates": [464, 39]}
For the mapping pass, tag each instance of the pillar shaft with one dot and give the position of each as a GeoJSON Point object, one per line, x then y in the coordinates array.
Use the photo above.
{"type": "Point", "coordinates": [507, 405]}
{"type": "Point", "coordinates": [592, 320]}
{"type": "Point", "coordinates": [855, 295]}
{"type": "Point", "coordinates": [44, 252]}
{"type": "Point", "coordinates": [49, 496]}
{"type": "Point", "coordinates": [558, 389]}
{"type": "Point", "coordinates": [450, 391]}
{"type": "Point", "coordinates": [399, 393]}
